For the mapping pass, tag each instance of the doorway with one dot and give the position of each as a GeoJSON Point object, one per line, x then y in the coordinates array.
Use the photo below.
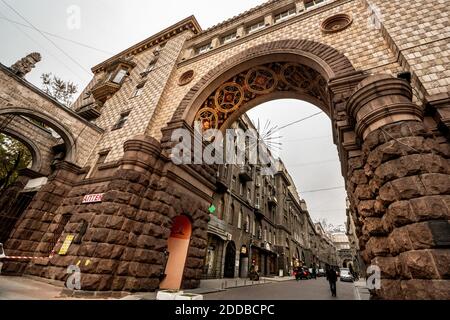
{"type": "Point", "coordinates": [178, 246]}
{"type": "Point", "coordinates": [230, 260]}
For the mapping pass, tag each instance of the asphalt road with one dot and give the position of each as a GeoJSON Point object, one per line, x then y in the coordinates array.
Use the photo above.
{"type": "Point", "coordinates": [289, 290]}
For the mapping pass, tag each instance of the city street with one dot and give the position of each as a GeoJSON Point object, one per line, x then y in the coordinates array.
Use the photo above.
{"type": "Point", "coordinates": [288, 290]}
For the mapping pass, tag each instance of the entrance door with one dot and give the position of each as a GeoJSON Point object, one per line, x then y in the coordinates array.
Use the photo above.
{"type": "Point", "coordinates": [178, 245]}
{"type": "Point", "coordinates": [230, 260]}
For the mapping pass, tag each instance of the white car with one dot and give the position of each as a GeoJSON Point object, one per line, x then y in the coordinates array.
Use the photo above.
{"type": "Point", "coordinates": [346, 275]}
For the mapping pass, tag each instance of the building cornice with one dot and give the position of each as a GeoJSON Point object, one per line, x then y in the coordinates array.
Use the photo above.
{"type": "Point", "coordinates": [234, 23]}
{"type": "Point", "coordinates": [189, 23]}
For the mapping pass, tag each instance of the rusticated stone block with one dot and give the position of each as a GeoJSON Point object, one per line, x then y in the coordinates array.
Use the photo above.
{"type": "Point", "coordinates": [378, 246]}
{"type": "Point", "coordinates": [87, 249]}
{"type": "Point", "coordinates": [145, 242]}
{"type": "Point", "coordinates": [417, 289]}
{"type": "Point", "coordinates": [148, 284]}
{"type": "Point", "coordinates": [118, 283]}
{"type": "Point", "coordinates": [142, 270]}
{"type": "Point", "coordinates": [359, 177]}
{"type": "Point", "coordinates": [110, 208]}
{"type": "Point", "coordinates": [419, 264]}
{"type": "Point", "coordinates": [389, 267]}
{"type": "Point", "coordinates": [420, 235]}
{"type": "Point", "coordinates": [367, 208]}
{"type": "Point", "coordinates": [99, 221]}
{"type": "Point", "coordinates": [129, 212]}
{"type": "Point", "coordinates": [431, 207]}
{"type": "Point", "coordinates": [123, 268]}
{"type": "Point", "coordinates": [374, 227]}
{"type": "Point", "coordinates": [132, 240]}
{"type": "Point", "coordinates": [115, 222]}
{"type": "Point", "coordinates": [117, 252]}
{"type": "Point", "coordinates": [131, 284]}
{"type": "Point", "coordinates": [103, 250]}
{"type": "Point", "coordinates": [399, 214]}
{"type": "Point", "coordinates": [390, 290]}
{"type": "Point", "coordinates": [436, 183]}
{"type": "Point", "coordinates": [399, 241]}
{"type": "Point", "coordinates": [441, 259]}
{"type": "Point", "coordinates": [117, 237]}
{"type": "Point", "coordinates": [100, 235]}
{"type": "Point", "coordinates": [441, 232]}
{"type": "Point", "coordinates": [107, 266]}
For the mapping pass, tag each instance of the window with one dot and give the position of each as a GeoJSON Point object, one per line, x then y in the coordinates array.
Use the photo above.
{"type": "Point", "coordinates": [254, 227]}
{"type": "Point", "coordinates": [151, 65]}
{"type": "Point", "coordinates": [122, 120]}
{"type": "Point", "coordinates": [118, 78]}
{"type": "Point", "coordinates": [241, 189]}
{"type": "Point", "coordinates": [265, 235]}
{"type": "Point", "coordinates": [101, 160]}
{"type": "Point", "coordinates": [249, 194]}
{"type": "Point", "coordinates": [255, 27]}
{"type": "Point", "coordinates": [247, 224]}
{"type": "Point", "coordinates": [312, 3]}
{"type": "Point", "coordinates": [240, 220]}
{"type": "Point", "coordinates": [284, 15]}
{"type": "Point", "coordinates": [233, 182]}
{"type": "Point", "coordinates": [257, 200]}
{"type": "Point", "coordinates": [229, 38]}
{"type": "Point", "coordinates": [139, 89]}
{"type": "Point", "coordinates": [203, 49]}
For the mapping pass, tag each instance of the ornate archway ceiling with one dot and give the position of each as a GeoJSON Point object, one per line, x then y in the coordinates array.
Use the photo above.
{"type": "Point", "coordinates": [256, 82]}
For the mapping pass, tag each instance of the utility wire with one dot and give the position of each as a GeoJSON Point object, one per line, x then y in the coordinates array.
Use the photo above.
{"type": "Point", "coordinates": [58, 36]}
{"type": "Point", "coordinates": [51, 54]}
{"type": "Point", "coordinates": [320, 190]}
{"type": "Point", "coordinates": [46, 37]}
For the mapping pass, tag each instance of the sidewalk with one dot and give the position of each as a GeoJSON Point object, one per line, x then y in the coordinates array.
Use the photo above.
{"type": "Point", "coordinates": [216, 285]}
{"type": "Point", "coordinates": [361, 291]}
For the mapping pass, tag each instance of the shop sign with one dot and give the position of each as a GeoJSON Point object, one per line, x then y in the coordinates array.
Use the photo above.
{"type": "Point", "coordinates": [93, 198]}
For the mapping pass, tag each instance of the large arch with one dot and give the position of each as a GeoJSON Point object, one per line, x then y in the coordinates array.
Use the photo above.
{"type": "Point", "coordinates": [55, 124]}
{"type": "Point", "coordinates": [329, 62]}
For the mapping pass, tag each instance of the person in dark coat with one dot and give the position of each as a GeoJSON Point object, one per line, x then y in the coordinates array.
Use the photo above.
{"type": "Point", "coordinates": [332, 279]}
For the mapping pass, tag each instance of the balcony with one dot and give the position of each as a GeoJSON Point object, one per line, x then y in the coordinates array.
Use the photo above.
{"type": "Point", "coordinates": [221, 182]}
{"type": "Point", "coordinates": [90, 111]}
{"type": "Point", "coordinates": [102, 91]}
{"type": "Point", "coordinates": [273, 201]}
{"type": "Point", "coordinates": [246, 173]}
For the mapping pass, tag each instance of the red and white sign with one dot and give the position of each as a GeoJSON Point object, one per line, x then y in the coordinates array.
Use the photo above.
{"type": "Point", "coordinates": [93, 198]}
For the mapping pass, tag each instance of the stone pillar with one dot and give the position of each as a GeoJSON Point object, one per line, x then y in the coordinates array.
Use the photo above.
{"type": "Point", "coordinates": [400, 188]}
{"type": "Point", "coordinates": [31, 236]}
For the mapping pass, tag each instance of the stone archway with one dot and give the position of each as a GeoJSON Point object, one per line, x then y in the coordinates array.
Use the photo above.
{"type": "Point", "coordinates": [391, 163]}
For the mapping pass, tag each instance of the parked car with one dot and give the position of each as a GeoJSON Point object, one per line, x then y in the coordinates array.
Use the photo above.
{"type": "Point", "coordinates": [302, 274]}
{"type": "Point", "coordinates": [321, 273]}
{"type": "Point", "coordinates": [346, 275]}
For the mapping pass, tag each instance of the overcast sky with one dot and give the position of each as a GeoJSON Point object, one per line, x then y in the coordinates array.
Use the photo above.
{"type": "Point", "coordinates": [109, 26]}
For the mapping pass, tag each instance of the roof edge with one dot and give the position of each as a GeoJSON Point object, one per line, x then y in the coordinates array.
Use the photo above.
{"type": "Point", "coordinates": [189, 23]}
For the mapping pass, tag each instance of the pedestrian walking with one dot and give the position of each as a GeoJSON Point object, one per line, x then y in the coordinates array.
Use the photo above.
{"type": "Point", "coordinates": [332, 279]}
